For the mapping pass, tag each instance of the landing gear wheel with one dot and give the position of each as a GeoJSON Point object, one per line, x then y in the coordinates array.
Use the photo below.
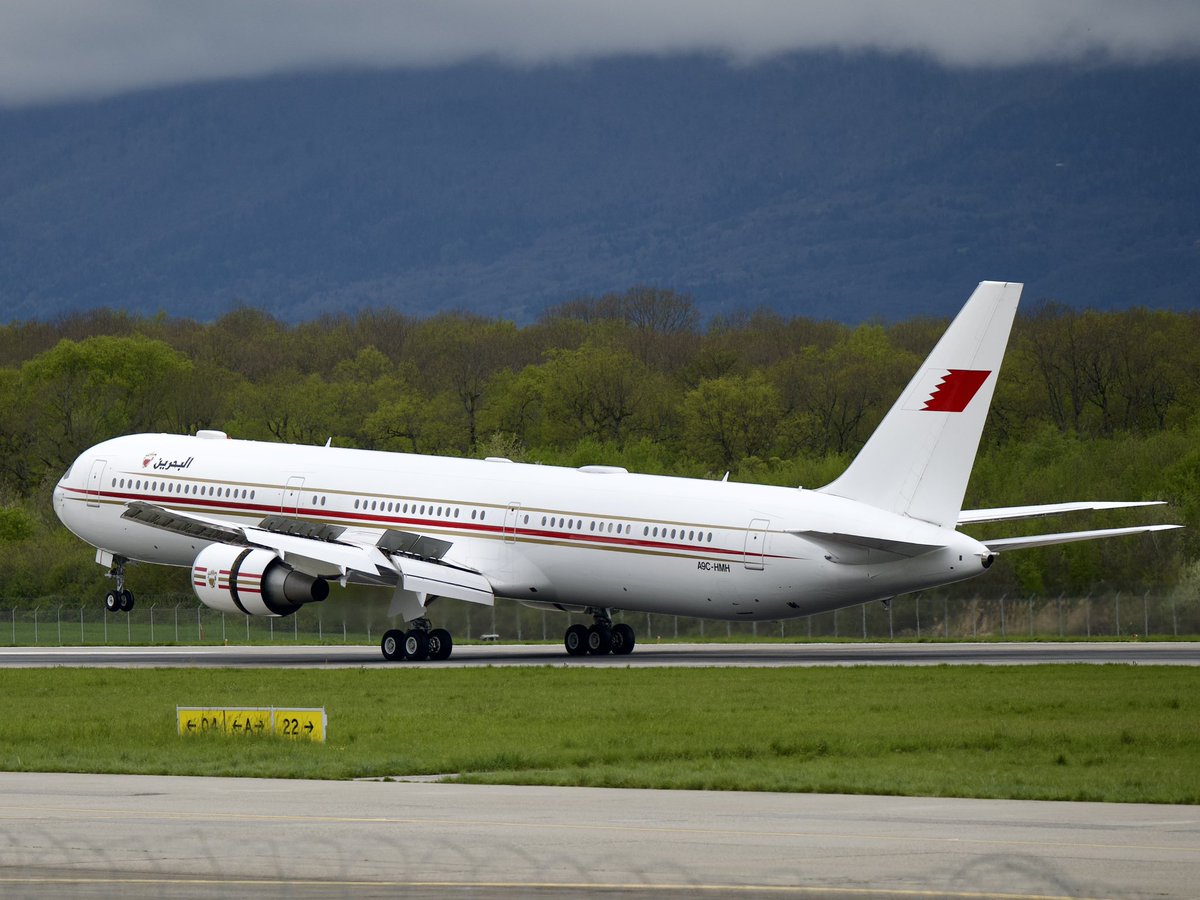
{"type": "Point", "coordinates": [112, 601]}
{"type": "Point", "coordinates": [416, 645]}
{"type": "Point", "coordinates": [599, 640]}
{"type": "Point", "coordinates": [392, 645]}
{"type": "Point", "coordinates": [440, 644]}
{"type": "Point", "coordinates": [623, 640]}
{"type": "Point", "coordinates": [576, 640]}
{"type": "Point", "coordinates": [126, 600]}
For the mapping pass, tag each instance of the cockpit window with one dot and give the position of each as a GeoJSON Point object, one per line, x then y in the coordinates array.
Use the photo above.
{"type": "Point", "coordinates": [67, 474]}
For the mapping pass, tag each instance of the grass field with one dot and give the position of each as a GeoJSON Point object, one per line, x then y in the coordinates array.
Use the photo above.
{"type": "Point", "coordinates": [1116, 733]}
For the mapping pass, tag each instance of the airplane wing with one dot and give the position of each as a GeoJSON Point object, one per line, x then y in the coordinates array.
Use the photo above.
{"type": "Point", "coordinates": [998, 545]}
{"type": "Point", "coordinates": [971, 516]}
{"type": "Point", "coordinates": [410, 562]}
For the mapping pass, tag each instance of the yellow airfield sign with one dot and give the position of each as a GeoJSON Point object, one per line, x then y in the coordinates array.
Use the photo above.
{"type": "Point", "coordinates": [235, 721]}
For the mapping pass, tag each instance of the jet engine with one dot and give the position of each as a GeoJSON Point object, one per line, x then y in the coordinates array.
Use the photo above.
{"type": "Point", "coordinates": [253, 581]}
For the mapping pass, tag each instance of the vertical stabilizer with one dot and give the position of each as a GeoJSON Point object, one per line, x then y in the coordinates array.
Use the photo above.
{"type": "Point", "coordinates": [919, 459]}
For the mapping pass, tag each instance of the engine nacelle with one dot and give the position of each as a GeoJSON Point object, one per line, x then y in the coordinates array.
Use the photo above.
{"type": "Point", "coordinates": [252, 581]}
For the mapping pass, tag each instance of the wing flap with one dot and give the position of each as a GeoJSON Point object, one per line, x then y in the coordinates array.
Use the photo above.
{"type": "Point", "coordinates": [442, 580]}
{"type": "Point", "coordinates": [186, 524]}
{"type": "Point", "coordinates": [1000, 514]}
{"type": "Point", "coordinates": [999, 545]}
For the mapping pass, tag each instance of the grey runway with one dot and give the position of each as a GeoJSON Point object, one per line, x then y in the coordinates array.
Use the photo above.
{"type": "Point", "coordinates": [763, 654]}
{"type": "Point", "coordinates": [152, 836]}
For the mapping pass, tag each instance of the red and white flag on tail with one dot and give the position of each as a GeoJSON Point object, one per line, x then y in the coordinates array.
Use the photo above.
{"type": "Point", "coordinates": [946, 390]}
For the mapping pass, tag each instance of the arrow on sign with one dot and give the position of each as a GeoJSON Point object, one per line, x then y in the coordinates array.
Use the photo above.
{"type": "Point", "coordinates": [309, 727]}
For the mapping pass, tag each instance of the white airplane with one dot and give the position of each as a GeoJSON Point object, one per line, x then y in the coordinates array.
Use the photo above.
{"type": "Point", "coordinates": [267, 528]}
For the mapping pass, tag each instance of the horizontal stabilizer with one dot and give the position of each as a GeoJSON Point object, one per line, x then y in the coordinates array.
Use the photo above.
{"type": "Point", "coordinates": [999, 545]}
{"type": "Point", "coordinates": [999, 514]}
{"type": "Point", "coordinates": [857, 549]}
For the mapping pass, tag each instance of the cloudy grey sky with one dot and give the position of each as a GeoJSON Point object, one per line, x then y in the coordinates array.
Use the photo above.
{"type": "Point", "coordinates": [54, 49]}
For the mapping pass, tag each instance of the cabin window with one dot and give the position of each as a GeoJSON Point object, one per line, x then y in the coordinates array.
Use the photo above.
{"type": "Point", "coordinates": [356, 503]}
{"type": "Point", "coordinates": [592, 527]}
{"type": "Point", "coordinates": [482, 515]}
{"type": "Point", "coordinates": [710, 537]}
{"type": "Point", "coordinates": [527, 520]}
{"type": "Point", "coordinates": [456, 512]}
{"type": "Point", "coordinates": [252, 495]}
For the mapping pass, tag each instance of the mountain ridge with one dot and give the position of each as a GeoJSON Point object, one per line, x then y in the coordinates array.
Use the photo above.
{"type": "Point", "coordinates": [833, 186]}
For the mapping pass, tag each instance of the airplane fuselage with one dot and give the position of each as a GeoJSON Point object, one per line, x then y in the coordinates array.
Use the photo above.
{"type": "Point", "coordinates": [574, 538]}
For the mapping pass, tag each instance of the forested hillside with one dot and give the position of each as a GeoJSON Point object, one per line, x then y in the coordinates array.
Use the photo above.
{"type": "Point", "coordinates": [1090, 405]}
{"type": "Point", "coordinates": [829, 185]}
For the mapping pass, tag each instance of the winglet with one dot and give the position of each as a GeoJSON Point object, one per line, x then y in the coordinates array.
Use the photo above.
{"type": "Point", "coordinates": [919, 459]}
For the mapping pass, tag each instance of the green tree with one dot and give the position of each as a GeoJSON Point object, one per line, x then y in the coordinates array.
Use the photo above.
{"type": "Point", "coordinates": [81, 393]}
{"type": "Point", "coordinates": [730, 418]}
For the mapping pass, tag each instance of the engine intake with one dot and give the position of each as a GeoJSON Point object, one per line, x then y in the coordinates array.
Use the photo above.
{"type": "Point", "coordinates": [252, 581]}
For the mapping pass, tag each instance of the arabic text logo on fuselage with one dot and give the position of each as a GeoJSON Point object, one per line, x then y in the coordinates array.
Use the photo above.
{"type": "Point", "coordinates": [161, 464]}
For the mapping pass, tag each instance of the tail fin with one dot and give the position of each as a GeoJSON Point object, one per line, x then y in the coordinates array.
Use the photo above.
{"type": "Point", "coordinates": [919, 459]}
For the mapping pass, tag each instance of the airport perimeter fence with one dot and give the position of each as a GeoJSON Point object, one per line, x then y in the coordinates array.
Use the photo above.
{"type": "Point", "coordinates": [182, 620]}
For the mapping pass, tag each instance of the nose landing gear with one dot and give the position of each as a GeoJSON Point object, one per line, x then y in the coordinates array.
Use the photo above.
{"type": "Point", "coordinates": [120, 599]}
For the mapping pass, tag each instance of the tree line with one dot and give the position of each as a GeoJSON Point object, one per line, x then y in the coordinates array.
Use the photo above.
{"type": "Point", "coordinates": [1089, 405]}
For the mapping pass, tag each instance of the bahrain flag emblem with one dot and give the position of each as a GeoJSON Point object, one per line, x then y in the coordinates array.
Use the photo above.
{"type": "Point", "coordinates": [947, 390]}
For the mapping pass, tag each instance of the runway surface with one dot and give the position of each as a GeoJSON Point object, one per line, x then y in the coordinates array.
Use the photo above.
{"type": "Point", "coordinates": [1136, 653]}
{"type": "Point", "coordinates": [150, 836]}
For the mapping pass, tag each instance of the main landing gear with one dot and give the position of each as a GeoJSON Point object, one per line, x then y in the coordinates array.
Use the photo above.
{"type": "Point", "coordinates": [120, 599]}
{"type": "Point", "coordinates": [600, 638]}
{"type": "Point", "coordinates": [418, 643]}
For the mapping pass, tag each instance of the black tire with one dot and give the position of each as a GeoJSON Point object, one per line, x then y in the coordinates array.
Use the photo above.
{"type": "Point", "coordinates": [112, 602]}
{"type": "Point", "coordinates": [126, 600]}
{"type": "Point", "coordinates": [576, 640]}
{"type": "Point", "coordinates": [416, 645]}
{"type": "Point", "coordinates": [392, 645]}
{"type": "Point", "coordinates": [623, 640]}
{"type": "Point", "coordinates": [599, 640]}
{"type": "Point", "coordinates": [441, 644]}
